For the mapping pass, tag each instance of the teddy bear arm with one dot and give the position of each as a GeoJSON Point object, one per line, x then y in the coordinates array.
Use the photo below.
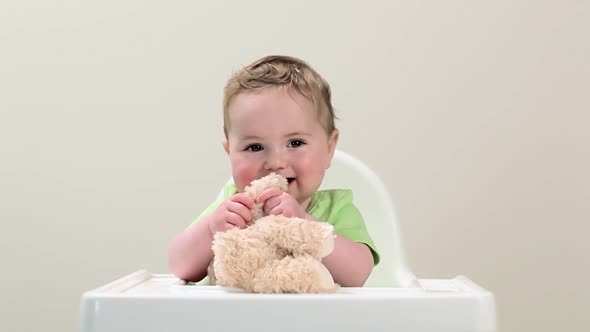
{"type": "Point", "coordinates": [238, 254]}
{"type": "Point", "coordinates": [298, 236]}
{"type": "Point", "coordinates": [302, 274]}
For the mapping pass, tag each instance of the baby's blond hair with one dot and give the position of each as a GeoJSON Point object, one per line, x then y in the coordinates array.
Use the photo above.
{"type": "Point", "coordinates": [282, 71]}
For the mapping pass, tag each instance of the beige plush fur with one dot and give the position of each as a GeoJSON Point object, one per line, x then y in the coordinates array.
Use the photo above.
{"type": "Point", "coordinates": [274, 254]}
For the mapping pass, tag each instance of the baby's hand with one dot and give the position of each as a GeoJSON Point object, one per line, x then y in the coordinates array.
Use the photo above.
{"type": "Point", "coordinates": [233, 212]}
{"type": "Point", "coordinates": [278, 202]}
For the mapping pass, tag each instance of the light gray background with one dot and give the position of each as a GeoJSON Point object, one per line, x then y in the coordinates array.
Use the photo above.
{"type": "Point", "coordinates": [475, 114]}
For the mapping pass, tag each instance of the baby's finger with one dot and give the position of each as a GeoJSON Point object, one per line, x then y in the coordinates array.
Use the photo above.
{"type": "Point", "coordinates": [240, 210]}
{"type": "Point", "coordinates": [268, 193]}
{"type": "Point", "coordinates": [244, 199]}
{"type": "Point", "coordinates": [235, 219]}
{"type": "Point", "coordinates": [227, 227]}
{"type": "Point", "coordinates": [271, 204]}
{"type": "Point", "coordinates": [277, 210]}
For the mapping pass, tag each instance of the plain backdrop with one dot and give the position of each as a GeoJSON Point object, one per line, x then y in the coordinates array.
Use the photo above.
{"type": "Point", "coordinates": [475, 114]}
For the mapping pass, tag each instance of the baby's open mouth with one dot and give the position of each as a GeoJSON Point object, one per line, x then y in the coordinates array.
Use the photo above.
{"type": "Point", "coordinates": [289, 180]}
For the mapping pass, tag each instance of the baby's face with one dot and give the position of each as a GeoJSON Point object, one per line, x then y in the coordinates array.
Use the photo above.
{"type": "Point", "coordinates": [273, 130]}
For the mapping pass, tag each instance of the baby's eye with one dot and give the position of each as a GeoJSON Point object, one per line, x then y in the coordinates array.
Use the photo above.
{"type": "Point", "coordinates": [253, 148]}
{"type": "Point", "coordinates": [296, 143]}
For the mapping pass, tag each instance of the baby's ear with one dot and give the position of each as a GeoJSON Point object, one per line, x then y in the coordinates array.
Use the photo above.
{"type": "Point", "coordinates": [332, 142]}
{"type": "Point", "coordinates": [225, 144]}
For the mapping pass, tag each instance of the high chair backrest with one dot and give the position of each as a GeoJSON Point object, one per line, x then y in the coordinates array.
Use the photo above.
{"type": "Point", "coordinates": [375, 204]}
{"type": "Point", "coordinates": [374, 201]}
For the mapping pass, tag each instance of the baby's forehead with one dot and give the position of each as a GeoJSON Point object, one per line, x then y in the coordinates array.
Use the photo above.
{"type": "Point", "coordinates": [269, 106]}
{"type": "Point", "coordinates": [273, 94]}
{"type": "Point", "coordinates": [269, 103]}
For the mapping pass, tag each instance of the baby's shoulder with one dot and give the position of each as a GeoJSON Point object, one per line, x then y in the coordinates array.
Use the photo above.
{"type": "Point", "coordinates": [334, 195]}
{"type": "Point", "coordinates": [331, 200]}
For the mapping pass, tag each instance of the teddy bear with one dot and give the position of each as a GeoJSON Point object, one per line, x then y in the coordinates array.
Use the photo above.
{"type": "Point", "coordinates": [274, 253]}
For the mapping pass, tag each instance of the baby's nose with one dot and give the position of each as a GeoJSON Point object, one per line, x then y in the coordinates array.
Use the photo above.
{"type": "Point", "coordinates": [275, 161]}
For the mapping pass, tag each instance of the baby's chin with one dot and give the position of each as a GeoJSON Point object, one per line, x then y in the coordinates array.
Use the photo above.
{"type": "Point", "coordinates": [299, 197]}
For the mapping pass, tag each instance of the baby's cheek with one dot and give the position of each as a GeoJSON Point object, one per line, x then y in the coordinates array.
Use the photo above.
{"type": "Point", "coordinates": [243, 175]}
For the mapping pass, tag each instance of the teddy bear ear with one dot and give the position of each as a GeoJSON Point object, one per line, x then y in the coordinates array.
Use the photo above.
{"type": "Point", "coordinates": [272, 180]}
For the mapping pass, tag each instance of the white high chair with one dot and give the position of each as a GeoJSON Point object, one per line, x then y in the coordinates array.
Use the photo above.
{"type": "Point", "coordinates": [373, 200]}
{"type": "Point", "coordinates": [394, 301]}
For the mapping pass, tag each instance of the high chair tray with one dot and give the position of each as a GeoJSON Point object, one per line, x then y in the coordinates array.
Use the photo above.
{"type": "Point", "coordinates": [143, 301]}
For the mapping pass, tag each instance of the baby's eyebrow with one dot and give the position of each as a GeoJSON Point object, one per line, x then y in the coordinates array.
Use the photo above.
{"type": "Point", "coordinates": [258, 138]}
{"type": "Point", "coordinates": [250, 137]}
{"type": "Point", "coordinates": [297, 133]}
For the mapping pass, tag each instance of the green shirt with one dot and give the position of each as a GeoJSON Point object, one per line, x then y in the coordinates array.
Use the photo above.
{"type": "Point", "coordinates": [333, 206]}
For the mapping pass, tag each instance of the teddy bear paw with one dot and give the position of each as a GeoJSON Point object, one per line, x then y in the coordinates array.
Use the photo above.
{"type": "Point", "coordinates": [325, 282]}
{"type": "Point", "coordinates": [328, 236]}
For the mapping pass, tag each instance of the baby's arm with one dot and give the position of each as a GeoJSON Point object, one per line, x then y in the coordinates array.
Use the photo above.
{"type": "Point", "coordinates": [350, 263]}
{"type": "Point", "coordinates": [190, 252]}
